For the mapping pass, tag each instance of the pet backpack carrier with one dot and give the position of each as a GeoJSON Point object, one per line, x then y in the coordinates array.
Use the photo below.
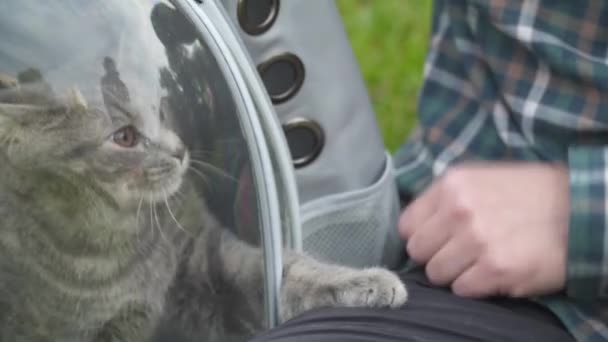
{"type": "Point", "coordinates": [348, 200]}
{"type": "Point", "coordinates": [348, 204]}
{"type": "Point", "coordinates": [265, 94]}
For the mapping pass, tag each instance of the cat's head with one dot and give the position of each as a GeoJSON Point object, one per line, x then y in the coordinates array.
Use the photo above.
{"type": "Point", "coordinates": [129, 156]}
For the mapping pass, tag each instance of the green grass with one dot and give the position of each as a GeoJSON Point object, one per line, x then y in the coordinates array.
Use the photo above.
{"type": "Point", "coordinates": [390, 38]}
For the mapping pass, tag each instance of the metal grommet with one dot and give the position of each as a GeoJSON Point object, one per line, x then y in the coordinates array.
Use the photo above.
{"type": "Point", "coordinates": [305, 139]}
{"type": "Point", "coordinates": [257, 16]}
{"type": "Point", "coordinates": [283, 76]}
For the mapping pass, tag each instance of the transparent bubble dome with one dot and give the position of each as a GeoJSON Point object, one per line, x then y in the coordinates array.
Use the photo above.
{"type": "Point", "coordinates": [163, 69]}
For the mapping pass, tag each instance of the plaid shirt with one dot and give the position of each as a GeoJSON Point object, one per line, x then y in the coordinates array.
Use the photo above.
{"type": "Point", "coordinates": [525, 80]}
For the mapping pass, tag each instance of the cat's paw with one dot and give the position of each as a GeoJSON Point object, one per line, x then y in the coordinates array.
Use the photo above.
{"type": "Point", "coordinates": [374, 287]}
{"type": "Point", "coordinates": [309, 285]}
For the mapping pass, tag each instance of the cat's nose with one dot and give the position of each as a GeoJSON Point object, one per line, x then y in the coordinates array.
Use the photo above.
{"type": "Point", "coordinates": [179, 153]}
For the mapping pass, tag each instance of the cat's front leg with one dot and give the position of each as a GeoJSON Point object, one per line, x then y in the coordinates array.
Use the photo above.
{"type": "Point", "coordinates": [307, 283]}
{"type": "Point", "coordinates": [310, 284]}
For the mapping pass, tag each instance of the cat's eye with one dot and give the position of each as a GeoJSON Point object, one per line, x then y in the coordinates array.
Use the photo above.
{"type": "Point", "coordinates": [127, 136]}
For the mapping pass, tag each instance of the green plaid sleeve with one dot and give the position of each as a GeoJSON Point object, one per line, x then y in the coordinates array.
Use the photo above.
{"type": "Point", "coordinates": [525, 81]}
{"type": "Point", "coordinates": [587, 247]}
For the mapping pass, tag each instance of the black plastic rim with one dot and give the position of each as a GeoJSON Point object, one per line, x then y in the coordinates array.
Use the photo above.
{"type": "Point", "coordinates": [264, 25]}
{"type": "Point", "coordinates": [298, 67]}
{"type": "Point", "coordinates": [317, 132]}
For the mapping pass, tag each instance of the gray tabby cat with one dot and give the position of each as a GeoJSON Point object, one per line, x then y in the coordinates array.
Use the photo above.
{"type": "Point", "coordinates": [91, 248]}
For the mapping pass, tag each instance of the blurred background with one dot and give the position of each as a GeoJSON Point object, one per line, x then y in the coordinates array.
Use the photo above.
{"type": "Point", "coordinates": [390, 38]}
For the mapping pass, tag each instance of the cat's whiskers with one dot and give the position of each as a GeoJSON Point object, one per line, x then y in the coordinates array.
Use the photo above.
{"type": "Point", "coordinates": [213, 168]}
{"type": "Point", "coordinates": [152, 222]}
{"type": "Point", "coordinates": [141, 201]}
{"type": "Point", "coordinates": [158, 224]}
{"type": "Point", "coordinates": [202, 152]}
{"type": "Point", "coordinates": [179, 195]}
{"type": "Point", "coordinates": [171, 213]}
{"type": "Point", "coordinates": [137, 230]}
{"type": "Point", "coordinates": [198, 173]}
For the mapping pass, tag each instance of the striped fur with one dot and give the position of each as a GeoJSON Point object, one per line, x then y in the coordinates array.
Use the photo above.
{"type": "Point", "coordinates": [96, 245]}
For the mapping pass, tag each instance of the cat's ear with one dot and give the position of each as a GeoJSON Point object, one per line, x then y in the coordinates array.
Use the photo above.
{"type": "Point", "coordinates": [76, 100]}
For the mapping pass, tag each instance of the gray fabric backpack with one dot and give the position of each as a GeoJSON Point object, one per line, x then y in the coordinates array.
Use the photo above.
{"type": "Point", "coordinates": [348, 202]}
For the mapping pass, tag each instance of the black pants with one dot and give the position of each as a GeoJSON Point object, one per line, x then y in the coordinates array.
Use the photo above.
{"type": "Point", "coordinates": [431, 314]}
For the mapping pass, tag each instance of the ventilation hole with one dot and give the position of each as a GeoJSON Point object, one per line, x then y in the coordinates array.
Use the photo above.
{"type": "Point", "coordinates": [305, 140]}
{"type": "Point", "coordinates": [257, 16]}
{"type": "Point", "coordinates": [283, 76]}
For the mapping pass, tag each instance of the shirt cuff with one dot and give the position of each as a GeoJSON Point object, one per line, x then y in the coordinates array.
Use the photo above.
{"type": "Point", "coordinates": [587, 274]}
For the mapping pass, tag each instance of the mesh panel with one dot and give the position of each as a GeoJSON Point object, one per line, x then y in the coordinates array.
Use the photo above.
{"type": "Point", "coordinates": [356, 229]}
{"type": "Point", "coordinates": [347, 236]}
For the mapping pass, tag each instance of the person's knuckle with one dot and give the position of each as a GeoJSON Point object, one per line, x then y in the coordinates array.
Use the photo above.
{"type": "Point", "coordinates": [456, 200]}
{"type": "Point", "coordinates": [459, 213]}
{"type": "Point", "coordinates": [495, 265]}
{"type": "Point", "coordinates": [476, 237]}
{"type": "Point", "coordinates": [461, 210]}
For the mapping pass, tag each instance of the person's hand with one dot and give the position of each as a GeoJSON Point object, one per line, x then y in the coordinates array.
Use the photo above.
{"type": "Point", "coordinates": [490, 229]}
